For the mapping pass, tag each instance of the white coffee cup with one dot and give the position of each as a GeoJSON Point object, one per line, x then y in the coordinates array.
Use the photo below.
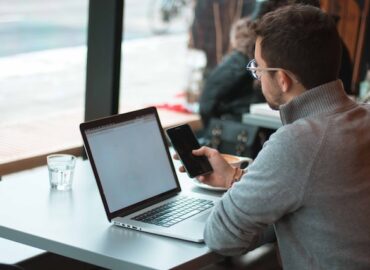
{"type": "Point", "coordinates": [236, 161]}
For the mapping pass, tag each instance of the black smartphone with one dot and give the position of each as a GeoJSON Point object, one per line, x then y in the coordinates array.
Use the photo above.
{"type": "Point", "coordinates": [184, 141]}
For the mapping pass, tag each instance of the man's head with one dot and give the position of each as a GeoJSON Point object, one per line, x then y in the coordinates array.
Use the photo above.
{"type": "Point", "coordinates": [271, 5]}
{"type": "Point", "coordinates": [301, 40]}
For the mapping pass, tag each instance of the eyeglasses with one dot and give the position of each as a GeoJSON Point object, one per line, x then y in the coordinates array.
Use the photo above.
{"type": "Point", "coordinates": [257, 71]}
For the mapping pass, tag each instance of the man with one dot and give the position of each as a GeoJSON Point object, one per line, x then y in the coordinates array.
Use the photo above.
{"type": "Point", "coordinates": [312, 178]}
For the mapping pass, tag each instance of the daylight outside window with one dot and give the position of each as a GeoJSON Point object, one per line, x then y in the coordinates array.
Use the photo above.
{"type": "Point", "coordinates": [42, 74]}
{"type": "Point", "coordinates": [158, 68]}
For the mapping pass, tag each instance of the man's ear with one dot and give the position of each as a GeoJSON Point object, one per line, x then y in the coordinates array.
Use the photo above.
{"type": "Point", "coordinates": [284, 81]}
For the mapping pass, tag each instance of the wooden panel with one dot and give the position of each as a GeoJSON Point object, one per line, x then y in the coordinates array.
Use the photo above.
{"type": "Point", "coordinates": [363, 33]}
{"type": "Point", "coordinates": [348, 26]}
{"type": "Point", "coordinates": [325, 5]}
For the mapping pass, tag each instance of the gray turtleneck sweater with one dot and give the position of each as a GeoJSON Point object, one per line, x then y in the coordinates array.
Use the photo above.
{"type": "Point", "coordinates": [312, 181]}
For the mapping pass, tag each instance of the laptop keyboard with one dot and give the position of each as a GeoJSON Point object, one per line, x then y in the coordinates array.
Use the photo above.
{"type": "Point", "coordinates": [175, 211]}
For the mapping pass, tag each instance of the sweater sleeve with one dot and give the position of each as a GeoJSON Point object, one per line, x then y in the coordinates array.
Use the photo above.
{"type": "Point", "coordinates": [274, 186]}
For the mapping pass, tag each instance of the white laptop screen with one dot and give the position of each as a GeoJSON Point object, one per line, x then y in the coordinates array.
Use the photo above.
{"type": "Point", "coordinates": [131, 161]}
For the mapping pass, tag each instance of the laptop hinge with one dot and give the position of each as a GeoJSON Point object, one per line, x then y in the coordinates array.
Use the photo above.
{"type": "Point", "coordinates": [148, 204]}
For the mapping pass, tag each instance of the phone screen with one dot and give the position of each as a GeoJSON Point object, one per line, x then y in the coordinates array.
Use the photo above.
{"type": "Point", "coordinates": [184, 141]}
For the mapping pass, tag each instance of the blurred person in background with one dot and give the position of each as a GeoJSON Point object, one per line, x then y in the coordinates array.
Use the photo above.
{"type": "Point", "coordinates": [229, 89]}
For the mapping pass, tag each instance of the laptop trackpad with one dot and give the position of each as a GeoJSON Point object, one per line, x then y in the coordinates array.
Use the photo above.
{"type": "Point", "coordinates": [201, 218]}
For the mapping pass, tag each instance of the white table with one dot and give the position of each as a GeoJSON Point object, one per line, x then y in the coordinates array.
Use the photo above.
{"type": "Point", "coordinates": [74, 224]}
{"type": "Point", "coordinates": [264, 121]}
{"type": "Point", "coordinates": [262, 115]}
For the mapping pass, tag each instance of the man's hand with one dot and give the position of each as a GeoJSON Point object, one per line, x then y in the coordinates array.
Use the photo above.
{"type": "Point", "coordinates": [222, 172]}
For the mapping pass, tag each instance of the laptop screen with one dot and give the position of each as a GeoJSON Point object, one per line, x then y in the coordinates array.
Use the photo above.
{"type": "Point", "coordinates": [131, 161]}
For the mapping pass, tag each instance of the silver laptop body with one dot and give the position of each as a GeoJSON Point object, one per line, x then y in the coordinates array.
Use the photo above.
{"type": "Point", "coordinates": [135, 174]}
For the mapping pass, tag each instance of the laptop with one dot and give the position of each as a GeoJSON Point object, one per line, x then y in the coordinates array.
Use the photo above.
{"type": "Point", "coordinates": [136, 177]}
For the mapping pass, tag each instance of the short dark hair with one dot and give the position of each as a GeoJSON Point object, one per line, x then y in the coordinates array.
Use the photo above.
{"type": "Point", "coordinates": [303, 40]}
{"type": "Point", "coordinates": [270, 5]}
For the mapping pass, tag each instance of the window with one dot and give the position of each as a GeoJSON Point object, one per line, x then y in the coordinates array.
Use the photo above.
{"type": "Point", "coordinates": [157, 67]}
{"type": "Point", "coordinates": [42, 75]}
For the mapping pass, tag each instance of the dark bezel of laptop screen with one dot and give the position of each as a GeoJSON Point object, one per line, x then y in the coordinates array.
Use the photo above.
{"type": "Point", "coordinates": [112, 120]}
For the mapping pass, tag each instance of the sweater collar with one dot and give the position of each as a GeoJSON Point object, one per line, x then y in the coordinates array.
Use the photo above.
{"type": "Point", "coordinates": [324, 98]}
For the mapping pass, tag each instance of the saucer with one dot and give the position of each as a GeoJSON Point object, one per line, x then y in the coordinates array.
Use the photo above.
{"type": "Point", "coordinates": [208, 187]}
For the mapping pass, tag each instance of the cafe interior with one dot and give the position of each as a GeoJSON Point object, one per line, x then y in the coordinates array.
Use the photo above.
{"type": "Point", "coordinates": [70, 62]}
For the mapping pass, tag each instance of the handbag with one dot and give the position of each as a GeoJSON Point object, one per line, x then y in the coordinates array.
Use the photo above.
{"type": "Point", "coordinates": [235, 138]}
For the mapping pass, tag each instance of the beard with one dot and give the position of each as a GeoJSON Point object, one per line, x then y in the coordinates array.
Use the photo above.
{"type": "Point", "coordinates": [273, 106]}
{"type": "Point", "coordinates": [275, 98]}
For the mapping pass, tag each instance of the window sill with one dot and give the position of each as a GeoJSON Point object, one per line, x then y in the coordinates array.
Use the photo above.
{"type": "Point", "coordinates": [26, 145]}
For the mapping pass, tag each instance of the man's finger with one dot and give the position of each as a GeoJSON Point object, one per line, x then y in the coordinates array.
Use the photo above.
{"type": "Point", "coordinates": [204, 151]}
{"type": "Point", "coordinates": [201, 151]}
{"type": "Point", "coordinates": [182, 169]}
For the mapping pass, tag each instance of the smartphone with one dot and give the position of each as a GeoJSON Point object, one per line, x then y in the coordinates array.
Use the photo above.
{"type": "Point", "coordinates": [184, 141]}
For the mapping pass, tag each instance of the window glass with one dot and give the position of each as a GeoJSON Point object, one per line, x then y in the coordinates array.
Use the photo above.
{"type": "Point", "coordinates": [157, 67]}
{"type": "Point", "coordinates": [171, 46]}
{"type": "Point", "coordinates": [42, 73]}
